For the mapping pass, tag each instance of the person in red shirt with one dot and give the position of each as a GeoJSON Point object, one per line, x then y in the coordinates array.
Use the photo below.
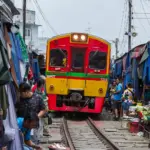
{"type": "Point", "coordinates": [34, 87]}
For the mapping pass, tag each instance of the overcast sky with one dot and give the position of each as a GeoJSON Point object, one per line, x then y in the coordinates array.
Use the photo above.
{"type": "Point", "coordinates": [104, 17]}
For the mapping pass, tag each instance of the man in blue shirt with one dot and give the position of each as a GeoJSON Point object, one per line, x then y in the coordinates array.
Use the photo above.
{"type": "Point", "coordinates": [117, 98]}
{"type": "Point", "coordinates": [25, 125]}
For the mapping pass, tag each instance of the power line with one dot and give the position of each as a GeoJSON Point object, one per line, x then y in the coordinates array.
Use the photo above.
{"type": "Point", "coordinates": [122, 43]}
{"type": "Point", "coordinates": [124, 36]}
{"type": "Point", "coordinates": [140, 13]}
{"type": "Point", "coordinates": [140, 22]}
{"type": "Point", "coordinates": [36, 13]}
{"type": "Point", "coordinates": [125, 29]}
{"type": "Point", "coordinates": [144, 12]}
{"type": "Point", "coordinates": [123, 15]}
{"type": "Point", "coordinates": [44, 18]}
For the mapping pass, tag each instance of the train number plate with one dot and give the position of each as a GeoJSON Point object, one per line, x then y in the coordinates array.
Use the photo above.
{"type": "Point", "coordinates": [103, 79]}
{"type": "Point", "coordinates": [51, 76]}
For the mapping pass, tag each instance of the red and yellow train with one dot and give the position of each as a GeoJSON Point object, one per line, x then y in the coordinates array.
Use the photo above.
{"type": "Point", "coordinates": [77, 72]}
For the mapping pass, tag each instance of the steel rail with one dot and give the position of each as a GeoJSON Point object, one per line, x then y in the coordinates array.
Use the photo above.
{"type": "Point", "coordinates": [67, 134]}
{"type": "Point", "coordinates": [101, 135]}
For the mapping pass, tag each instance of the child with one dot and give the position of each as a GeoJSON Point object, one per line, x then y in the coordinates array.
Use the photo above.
{"type": "Point", "coordinates": [127, 99]}
{"type": "Point", "coordinates": [111, 91]}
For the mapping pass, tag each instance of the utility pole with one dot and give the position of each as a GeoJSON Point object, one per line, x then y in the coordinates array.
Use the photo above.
{"type": "Point", "coordinates": [130, 25]}
{"type": "Point", "coordinates": [24, 18]}
{"type": "Point", "coordinates": [116, 42]}
{"type": "Point", "coordinates": [116, 45]}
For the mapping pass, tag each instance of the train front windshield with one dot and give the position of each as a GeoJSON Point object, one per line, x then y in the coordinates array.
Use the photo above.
{"type": "Point", "coordinates": [58, 58]}
{"type": "Point", "coordinates": [97, 60]}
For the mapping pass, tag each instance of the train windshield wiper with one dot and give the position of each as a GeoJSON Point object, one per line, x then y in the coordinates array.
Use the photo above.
{"type": "Point", "coordinates": [62, 52]}
{"type": "Point", "coordinates": [94, 55]}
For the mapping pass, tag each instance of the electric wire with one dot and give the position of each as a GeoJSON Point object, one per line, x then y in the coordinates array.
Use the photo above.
{"type": "Point", "coordinates": [123, 42]}
{"type": "Point", "coordinates": [123, 15]}
{"type": "Point", "coordinates": [38, 18]}
{"type": "Point", "coordinates": [144, 12]}
{"type": "Point", "coordinates": [44, 18]}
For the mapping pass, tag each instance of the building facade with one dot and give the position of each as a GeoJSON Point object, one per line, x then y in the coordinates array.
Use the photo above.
{"type": "Point", "coordinates": [31, 31]}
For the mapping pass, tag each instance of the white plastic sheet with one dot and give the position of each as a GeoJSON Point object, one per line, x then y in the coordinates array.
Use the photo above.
{"type": "Point", "coordinates": [11, 127]}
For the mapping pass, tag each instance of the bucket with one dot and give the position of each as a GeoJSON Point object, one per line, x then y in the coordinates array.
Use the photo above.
{"type": "Point", "coordinates": [134, 127]}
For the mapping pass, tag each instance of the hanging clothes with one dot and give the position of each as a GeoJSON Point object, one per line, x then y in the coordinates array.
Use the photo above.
{"type": "Point", "coordinates": [118, 68]}
{"type": "Point", "coordinates": [23, 48]}
{"type": "Point", "coordinates": [11, 128]}
{"type": "Point", "coordinates": [146, 72]}
{"type": "Point", "coordinates": [22, 69]}
{"type": "Point", "coordinates": [36, 69]}
{"type": "Point", "coordinates": [140, 70]}
{"type": "Point", "coordinates": [1, 127]}
{"type": "Point", "coordinates": [8, 42]}
{"type": "Point", "coordinates": [124, 62]}
{"type": "Point", "coordinates": [4, 101]}
{"type": "Point", "coordinates": [4, 62]}
{"type": "Point", "coordinates": [14, 92]}
{"type": "Point", "coordinates": [2, 35]}
{"type": "Point", "coordinates": [15, 59]}
{"type": "Point", "coordinates": [135, 76]}
{"type": "Point", "coordinates": [18, 47]}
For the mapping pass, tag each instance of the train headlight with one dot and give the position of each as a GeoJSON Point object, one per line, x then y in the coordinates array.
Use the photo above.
{"type": "Point", "coordinates": [51, 87]}
{"type": "Point", "coordinates": [75, 37]}
{"type": "Point", "coordinates": [83, 38]}
{"type": "Point", "coordinates": [79, 37]}
{"type": "Point", "coordinates": [100, 90]}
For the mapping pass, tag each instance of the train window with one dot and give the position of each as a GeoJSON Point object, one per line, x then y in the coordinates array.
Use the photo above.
{"type": "Point", "coordinates": [97, 60]}
{"type": "Point", "coordinates": [58, 58]}
{"type": "Point", "coordinates": [78, 60]}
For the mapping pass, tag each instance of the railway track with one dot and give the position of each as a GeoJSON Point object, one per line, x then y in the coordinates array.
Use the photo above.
{"type": "Point", "coordinates": [84, 135]}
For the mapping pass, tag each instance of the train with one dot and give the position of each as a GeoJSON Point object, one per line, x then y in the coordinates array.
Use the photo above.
{"type": "Point", "coordinates": [77, 72]}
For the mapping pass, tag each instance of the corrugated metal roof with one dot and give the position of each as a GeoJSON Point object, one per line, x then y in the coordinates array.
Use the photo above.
{"type": "Point", "coordinates": [7, 10]}
{"type": "Point", "coordinates": [10, 4]}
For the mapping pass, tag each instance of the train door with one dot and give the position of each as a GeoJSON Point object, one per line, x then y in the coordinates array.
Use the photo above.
{"type": "Point", "coordinates": [77, 69]}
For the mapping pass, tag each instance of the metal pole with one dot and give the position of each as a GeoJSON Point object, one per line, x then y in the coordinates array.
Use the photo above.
{"type": "Point", "coordinates": [130, 25]}
{"type": "Point", "coordinates": [24, 18]}
{"type": "Point", "coordinates": [116, 45]}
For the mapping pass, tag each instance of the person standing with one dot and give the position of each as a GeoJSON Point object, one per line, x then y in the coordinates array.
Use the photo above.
{"type": "Point", "coordinates": [111, 91]}
{"type": "Point", "coordinates": [117, 95]}
{"type": "Point", "coordinates": [42, 124]}
{"type": "Point", "coordinates": [30, 103]}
